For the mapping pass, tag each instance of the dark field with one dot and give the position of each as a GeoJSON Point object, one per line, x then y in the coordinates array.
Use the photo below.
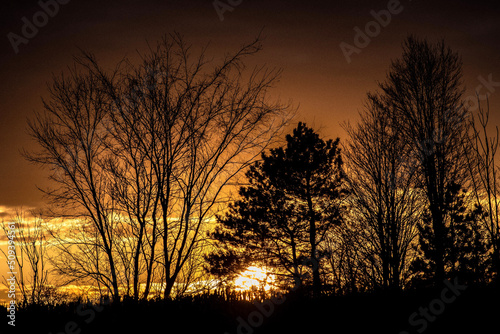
{"type": "Point", "coordinates": [474, 310]}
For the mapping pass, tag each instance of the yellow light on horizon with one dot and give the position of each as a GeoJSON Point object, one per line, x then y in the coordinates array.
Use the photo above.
{"type": "Point", "coordinates": [254, 278]}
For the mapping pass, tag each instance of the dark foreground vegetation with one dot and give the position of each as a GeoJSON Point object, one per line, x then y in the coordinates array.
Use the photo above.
{"type": "Point", "coordinates": [475, 310]}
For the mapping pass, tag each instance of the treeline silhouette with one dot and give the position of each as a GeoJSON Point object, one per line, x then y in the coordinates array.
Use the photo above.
{"type": "Point", "coordinates": [413, 205]}
{"type": "Point", "coordinates": [361, 234]}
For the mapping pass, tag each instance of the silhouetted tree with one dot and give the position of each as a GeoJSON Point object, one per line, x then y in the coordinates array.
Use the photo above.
{"type": "Point", "coordinates": [143, 155]}
{"type": "Point", "coordinates": [385, 203]}
{"type": "Point", "coordinates": [291, 203]}
{"type": "Point", "coordinates": [72, 140]}
{"type": "Point", "coordinates": [480, 150]}
{"type": "Point", "coordinates": [346, 266]}
{"type": "Point", "coordinates": [30, 260]}
{"type": "Point", "coordinates": [423, 90]}
{"type": "Point", "coordinates": [463, 242]}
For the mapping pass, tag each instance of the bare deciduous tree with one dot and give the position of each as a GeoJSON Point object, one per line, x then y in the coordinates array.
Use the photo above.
{"type": "Point", "coordinates": [385, 203]}
{"type": "Point", "coordinates": [70, 134]}
{"type": "Point", "coordinates": [31, 260]}
{"type": "Point", "coordinates": [423, 90]}
{"type": "Point", "coordinates": [481, 149]}
{"type": "Point", "coordinates": [143, 156]}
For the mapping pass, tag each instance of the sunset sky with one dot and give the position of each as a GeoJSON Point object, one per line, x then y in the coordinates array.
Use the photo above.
{"type": "Point", "coordinates": [303, 38]}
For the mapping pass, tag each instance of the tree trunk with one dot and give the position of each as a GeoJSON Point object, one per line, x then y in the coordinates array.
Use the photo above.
{"type": "Point", "coordinates": [312, 240]}
{"type": "Point", "coordinates": [136, 261]}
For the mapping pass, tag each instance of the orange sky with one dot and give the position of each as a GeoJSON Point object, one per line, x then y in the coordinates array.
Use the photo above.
{"type": "Point", "coordinates": [302, 37]}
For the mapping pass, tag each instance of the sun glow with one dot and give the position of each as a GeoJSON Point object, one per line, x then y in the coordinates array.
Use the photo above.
{"type": "Point", "coordinates": [254, 278]}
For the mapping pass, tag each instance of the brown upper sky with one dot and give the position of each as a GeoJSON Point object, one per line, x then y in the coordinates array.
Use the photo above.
{"type": "Point", "coordinates": [303, 38]}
